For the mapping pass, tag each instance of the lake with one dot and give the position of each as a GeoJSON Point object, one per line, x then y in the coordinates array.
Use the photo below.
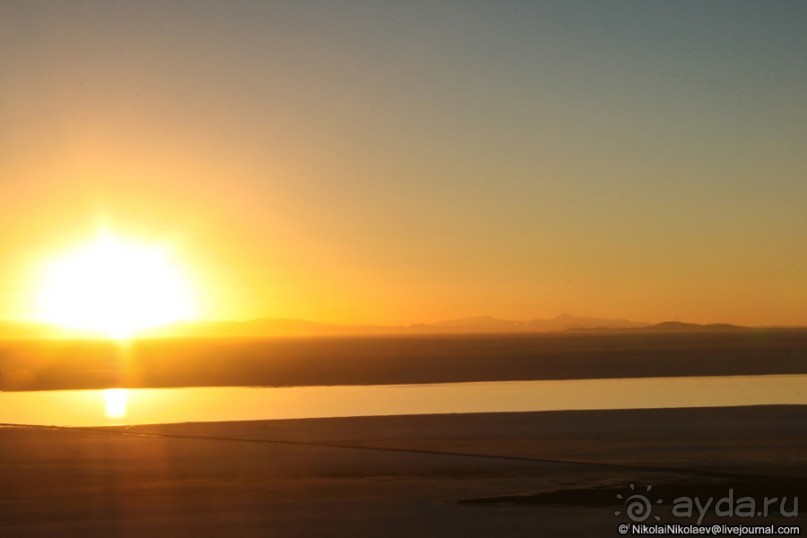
{"type": "Point", "coordinates": [148, 406]}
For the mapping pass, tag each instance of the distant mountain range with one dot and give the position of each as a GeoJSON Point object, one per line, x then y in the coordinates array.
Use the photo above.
{"type": "Point", "coordinates": [473, 325]}
{"type": "Point", "coordinates": [273, 327]}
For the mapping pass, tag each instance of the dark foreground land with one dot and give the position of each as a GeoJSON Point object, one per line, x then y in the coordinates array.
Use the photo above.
{"type": "Point", "coordinates": [512, 474]}
{"type": "Point", "coordinates": [44, 365]}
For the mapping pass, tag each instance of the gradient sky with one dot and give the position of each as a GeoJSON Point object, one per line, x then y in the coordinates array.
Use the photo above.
{"type": "Point", "coordinates": [402, 161]}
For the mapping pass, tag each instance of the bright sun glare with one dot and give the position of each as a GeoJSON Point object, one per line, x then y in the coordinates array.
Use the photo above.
{"type": "Point", "coordinates": [115, 287]}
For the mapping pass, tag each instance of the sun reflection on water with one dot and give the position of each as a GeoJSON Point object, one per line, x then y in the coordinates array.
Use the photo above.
{"type": "Point", "coordinates": [115, 402]}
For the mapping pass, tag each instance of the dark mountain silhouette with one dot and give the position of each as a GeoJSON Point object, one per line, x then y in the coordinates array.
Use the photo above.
{"type": "Point", "coordinates": [681, 326]}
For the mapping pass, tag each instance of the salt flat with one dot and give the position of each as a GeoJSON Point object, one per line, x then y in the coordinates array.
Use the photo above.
{"type": "Point", "coordinates": [439, 475]}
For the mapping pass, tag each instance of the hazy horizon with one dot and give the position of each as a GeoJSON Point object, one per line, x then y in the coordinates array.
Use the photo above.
{"type": "Point", "coordinates": [471, 326]}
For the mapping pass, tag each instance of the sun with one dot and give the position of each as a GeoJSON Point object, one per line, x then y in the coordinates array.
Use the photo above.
{"type": "Point", "coordinates": [114, 286]}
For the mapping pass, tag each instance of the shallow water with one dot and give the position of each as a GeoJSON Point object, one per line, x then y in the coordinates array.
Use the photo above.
{"type": "Point", "coordinates": [148, 406]}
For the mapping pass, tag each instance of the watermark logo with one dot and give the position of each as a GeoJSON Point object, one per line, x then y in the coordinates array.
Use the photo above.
{"type": "Point", "coordinates": [638, 506]}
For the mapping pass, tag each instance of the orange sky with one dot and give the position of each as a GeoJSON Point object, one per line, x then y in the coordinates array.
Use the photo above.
{"type": "Point", "coordinates": [367, 163]}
